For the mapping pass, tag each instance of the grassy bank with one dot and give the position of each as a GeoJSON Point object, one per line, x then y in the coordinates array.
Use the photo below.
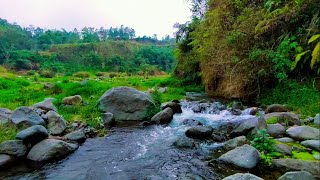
{"type": "Point", "coordinates": [16, 91]}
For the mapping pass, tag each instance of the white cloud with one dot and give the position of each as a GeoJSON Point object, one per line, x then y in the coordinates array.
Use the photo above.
{"type": "Point", "coordinates": [147, 17]}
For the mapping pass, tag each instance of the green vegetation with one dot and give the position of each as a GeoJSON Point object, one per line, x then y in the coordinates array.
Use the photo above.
{"type": "Point", "coordinates": [7, 132]}
{"type": "Point", "coordinates": [302, 155]}
{"type": "Point", "coordinates": [248, 49]}
{"type": "Point", "coordinates": [272, 120]}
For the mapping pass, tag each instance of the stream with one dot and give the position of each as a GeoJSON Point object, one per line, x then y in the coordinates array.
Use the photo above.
{"type": "Point", "coordinates": [139, 153]}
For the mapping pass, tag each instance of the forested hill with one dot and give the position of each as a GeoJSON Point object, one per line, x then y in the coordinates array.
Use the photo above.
{"type": "Point", "coordinates": [113, 49]}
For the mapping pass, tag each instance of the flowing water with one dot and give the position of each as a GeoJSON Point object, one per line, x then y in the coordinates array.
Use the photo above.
{"type": "Point", "coordinates": [139, 153]}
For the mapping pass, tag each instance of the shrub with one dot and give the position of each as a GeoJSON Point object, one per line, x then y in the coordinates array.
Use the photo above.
{"type": "Point", "coordinates": [2, 69]}
{"type": "Point", "coordinates": [100, 74]}
{"type": "Point", "coordinates": [81, 74]}
{"type": "Point", "coordinates": [47, 73]}
{"type": "Point", "coordinates": [263, 142]}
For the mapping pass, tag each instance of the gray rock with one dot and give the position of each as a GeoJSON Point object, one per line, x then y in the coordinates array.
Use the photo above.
{"type": "Point", "coordinates": [242, 176]}
{"type": "Point", "coordinates": [297, 175]}
{"type": "Point", "coordinates": [285, 118]}
{"type": "Point", "coordinates": [251, 125]}
{"type": "Point", "coordinates": [176, 108]}
{"type": "Point", "coordinates": [184, 142]}
{"type": "Point", "coordinates": [163, 117]}
{"type": "Point", "coordinates": [304, 133]}
{"type": "Point", "coordinates": [313, 144]}
{"type": "Point", "coordinates": [46, 105]}
{"type": "Point", "coordinates": [284, 149]}
{"type": "Point", "coordinates": [191, 122]}
{"type": "Point", "coordinates": [127, 104]}
{"type": "Point", "coordinates": [276, 130]}
{"type": "Point", "coordinates": [24, 117]}
{"type": "Point", "coordinates": [4, 115]}
{"type": "Point", "coordinates": [13, 148]}
{"type": "Point", "coordinates": [6, 160]}
{"type": "Point", "coordinates": [317, 120]}
{"type": "Point", "coordinates": [286, 165]}
{"type": "Point", "coordinates": [33, 134]}
{"type": "Point", "coordinates": [50, 150]}
{"type": "Point", "coordinates": [108, 119]}
{"type": "Point", "coordinates": [276, 108]}
{"type": "Point", "coordinates": [285, 140]}
{"type": "Point", "coordinates": [162, 89]}
{"type": "Point", "coordinates": [76, 136]}
{"type": "Point", "coordinates": [72, 100]}
{"type": "Point", "coordinates": [56, 123]}
{"type": "Point", "coordinates": [246, 157]}
{"type": "Point", "coordinates": [199, 132]}
{"type": "Point", "coordinates": [235, 142]}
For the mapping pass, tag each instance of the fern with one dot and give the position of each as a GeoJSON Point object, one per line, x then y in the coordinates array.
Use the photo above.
{"type": "Point", "coordinates": [313, 38]}
{"type": "Point", "coordinates": [315, 55]}
{"type": "Point", "coordinates": [298, 58]}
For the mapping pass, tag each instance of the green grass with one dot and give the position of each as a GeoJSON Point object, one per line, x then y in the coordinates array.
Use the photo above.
{"type": "Point", "coordinates": [302, 155]}
{"type": "Point", "coordinates": [18, 91]}
{"type": "Point", "coordinates": [304, 99]}
{"type": "Point", "coordinates": [272, 120]}
{"type": "Point", "coordinates": [7, 132]}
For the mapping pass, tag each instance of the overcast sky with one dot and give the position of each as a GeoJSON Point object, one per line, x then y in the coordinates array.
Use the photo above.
{"type": "Point", "coordinates": [147, 17]}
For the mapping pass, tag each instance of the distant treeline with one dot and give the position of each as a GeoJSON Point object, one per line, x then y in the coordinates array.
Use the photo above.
{"type": "Point", "coordinates": [113, 49]}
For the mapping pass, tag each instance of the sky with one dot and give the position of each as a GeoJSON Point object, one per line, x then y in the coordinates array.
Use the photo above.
{"type": "Point", "coordinates": [147, 17]}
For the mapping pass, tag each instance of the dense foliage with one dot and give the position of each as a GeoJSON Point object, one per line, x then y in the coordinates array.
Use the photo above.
{"type": "Point", "coordinates": [241, 48]}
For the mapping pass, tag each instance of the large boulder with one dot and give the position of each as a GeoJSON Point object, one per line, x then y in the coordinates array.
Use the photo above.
{"type": "Point", "coordinates": [76, 136]}
{"type": "Point", "coordinates": [25, 117]}
{"type": "Point", "coordinates": [276, 130]}
{"type": "Point", "coordinates": [246, 157]}
{"type": "Point", "coordinates": [56, 123]}
{"type": "Point", "coordinates": [46, 105]}
{"type": "Point", "coordinates": [286, 165]}
{"type": "Point", "coordinates": [242, 176]}
{"type": "Point", "coordinates": [163, 117]}
{"type": "Point", "coordinates": [127, 104]}
{"type": "Point", "coordinates": [297, 175]}
{"type": "Point", "coordinates": [4, 115]}
{"type": "Point", "coordinates": [304, 133]}
{"type": "Point", "coordinates": [276, 108]}
{"type": "Point", "coordinates": [285, 118]}
{"type": "Point", "coordinates": [6, 160]}
{"type": "Point", "coordinates": [313, 144]}
{"type": "Point", "coordinates": [251, 125]}
{"type": "Point", "coordinates": [176, 107]}
{"type": "Point", "coordinates": [33, 135]}
{"type": "Point", "coordinates": [13, 148]}
{"type": "Point", "coordinates": [50, 150]}
{"type": "Point", "coordinates": [72, 100]}
{"type": "Point", "coordinates": [199, 132]}
{"type": "Point", "coordinates": [235, 142]}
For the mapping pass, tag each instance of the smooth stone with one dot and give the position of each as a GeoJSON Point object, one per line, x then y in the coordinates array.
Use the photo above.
{"type": "Point", "coordinates": [25, 117]}
{"type": "Point", "coordinates": [304, 133]}
{"type": "Point", "coordinates": [297, 175]}
{"type": "Point", "coordinates": [46, 105]}
{"type": "Point", "coordinates": [33, 134]}
{"type": "Point", "coordinates": [313, 144]}
{"type": "Point", "coordinates": [176, 108]}
{"type": "Point", "coordinates": [245, 156]}
{"type": "Point", "coordinates": [72, 100]}
{"type": "Point", "coordinates": [13, 148]}
{"type": "Point", "coordinates": [242, 176]}
{"type": "Point", "coordinates": [286, 165]}
{"type": "Point", "coordinates": [276, 108]}
{"type": "Point", "coordinates": [184, 142]}
{"type": "Point", "coordinates": [50, 150]}
{"type": "Point", "coordinates": [276, 130]}
{"type": "Point", "coordinates": [76, 136]}
{"type": "Point", "coordinates": [6, 160]}
{"type": "Point", "coordinates": [56, 123]}
{"type": "Point", "coordinates": [199, 132]}
{"type": "Point", "coordinates": [163, 117]}
{"type": "Point", "coordinates": [285, 140]}
{"type": "Point", "coordinates": [283, 148]}
{"type": "Point", "coordinates": [235, 142]}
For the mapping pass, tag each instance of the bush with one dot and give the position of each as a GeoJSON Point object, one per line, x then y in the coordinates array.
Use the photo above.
{"type": "Point", "coordinates": [2, 69]}
{"type": "Point", "coordinates": [47, 73]}
{"type": "Point", "coordinates": [100, 74]}
{"type": "Point", "coordinates": [81, 74]}
{"type": "Point", "coordinates": [263, 142]}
